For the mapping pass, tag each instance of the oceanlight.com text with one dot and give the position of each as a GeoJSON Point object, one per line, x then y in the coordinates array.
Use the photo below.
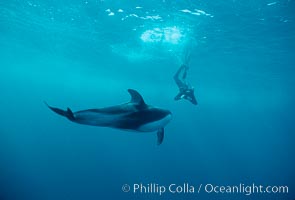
{"type": "Point", "coordinates": [187, 188]}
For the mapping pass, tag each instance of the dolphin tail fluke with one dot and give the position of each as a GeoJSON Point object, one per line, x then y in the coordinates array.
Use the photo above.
{"type": "Point", "coordinates": [160, 135]}
{"type": "Point", "coordinates": [66, 113]}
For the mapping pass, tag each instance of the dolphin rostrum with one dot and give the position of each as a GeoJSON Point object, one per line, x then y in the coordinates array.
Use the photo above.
{"type": "Point", "coordinates": [135, 115]}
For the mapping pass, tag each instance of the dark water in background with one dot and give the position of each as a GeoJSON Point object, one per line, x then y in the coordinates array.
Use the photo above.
{"type": "Point", "coordinates": [77, 54]}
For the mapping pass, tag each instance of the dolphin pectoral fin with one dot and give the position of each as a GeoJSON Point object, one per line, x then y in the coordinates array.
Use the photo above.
{"type": "Point", "coordinates": [68, 113]}
{"type": "Point", "coordinates": [136, 98]}
{"type": "Point", "coordinates": [160, 135]}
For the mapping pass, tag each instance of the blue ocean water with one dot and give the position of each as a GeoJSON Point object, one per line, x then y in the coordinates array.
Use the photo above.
{"type": "Point", "coordinates": [86, 54]}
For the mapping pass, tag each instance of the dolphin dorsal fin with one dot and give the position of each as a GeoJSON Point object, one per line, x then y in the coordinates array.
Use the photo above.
{"type": "Point", "coordinates": [136, 98]}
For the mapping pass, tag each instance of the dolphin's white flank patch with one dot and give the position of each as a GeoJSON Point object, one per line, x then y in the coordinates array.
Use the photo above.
{"type": "Point", "coordinates": [97, 119]}
{"type": "Point", "coordinates": [155, 125]}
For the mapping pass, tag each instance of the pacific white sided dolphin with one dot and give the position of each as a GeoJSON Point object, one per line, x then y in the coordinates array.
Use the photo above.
{"type": "Point", "coordinates": [135, 115]}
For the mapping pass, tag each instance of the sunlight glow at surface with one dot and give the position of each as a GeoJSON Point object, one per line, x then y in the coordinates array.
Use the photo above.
{"type": "Point", "coordinates": [170, 35]}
